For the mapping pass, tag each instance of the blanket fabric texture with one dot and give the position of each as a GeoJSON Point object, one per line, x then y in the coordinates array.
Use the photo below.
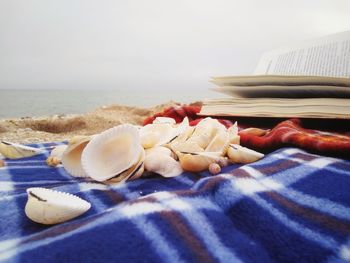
{"type": "Point", "coordinates": [280, 133]}
{"type": "Point", "coordinates": [291, 206]}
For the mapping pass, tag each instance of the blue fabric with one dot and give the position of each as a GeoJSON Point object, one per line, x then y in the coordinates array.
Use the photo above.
{"type": "Point", "coordinates": [291, 206]}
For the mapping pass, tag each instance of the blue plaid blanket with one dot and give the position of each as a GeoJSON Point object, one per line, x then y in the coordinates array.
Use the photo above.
{"type": "Point", "coordinates": [291, 206]}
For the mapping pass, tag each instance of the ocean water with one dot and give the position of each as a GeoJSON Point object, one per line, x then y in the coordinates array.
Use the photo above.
{"type": "Point", "coordinates": [28, 103]}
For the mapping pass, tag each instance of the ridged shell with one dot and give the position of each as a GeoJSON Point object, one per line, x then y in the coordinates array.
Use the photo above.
{"type": "Point", "coordinates": [71, 158]}
{"type": "Point", "coordinates": [111, 152]}
{"type": "Point", "coordinates": [46, 206]}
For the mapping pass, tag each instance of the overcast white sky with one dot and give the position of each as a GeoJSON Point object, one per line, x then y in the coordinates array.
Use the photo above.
{"type": "Point", "coordinates": [155, 44]}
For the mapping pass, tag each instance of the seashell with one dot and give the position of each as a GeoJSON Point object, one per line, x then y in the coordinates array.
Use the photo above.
{"type": "Point", "coordinates": [159, 120]}
{"type": "Point", "coordinates": [58, 151]}
{"type": "Point", "coordinates": [233, 134]}
{"type": "Point", "coordinates": [205, 130]}
{"type": "Point", "coordinates": [162, 133]}
{"type": "Point", "coordinates": [46, 206]}
{"type": "Point", "coordinates": [240, 154]}
{"type": "Point", "coordinates": [198, 162]}
{"type": "Point", "coordinates": [71, 158]}
{"type": "Point", "coordinates": [186, 147]}
{"type": "Point", "coordinates": [214, 168]}
{"type": "Point", "coordinates": [219, 143]}
{"type": "Point", "coordinates": [162, 164]}
{"type": "Point", "coordinates": [56, 154]}
{"type": "Point", "coordinates": [133, 172]}
{"type": "Point", "coordinates": [255, 131]}
{"type": "Point", "coordinates": [112, 152]}
{"type": "Point", "coordinates": [160, 150]}
{"type": "Point", "coordinates": [15, 151]}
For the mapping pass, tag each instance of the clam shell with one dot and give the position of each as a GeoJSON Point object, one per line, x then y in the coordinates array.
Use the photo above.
{"type": "Point", "coordinates": [240, 154]}
{"type": "Point", "coordinates": [112, 152]}
{"type": "Point", "coordinates": [47, 206]}
{"type": "Point", "coordinates": [162, 164]}
{"type": "Point", "coordinates": [71, 158]}
{"type": "Point", "coordinates": [15, 151]}
{"type": "Point", "coordinates": [133, 172]}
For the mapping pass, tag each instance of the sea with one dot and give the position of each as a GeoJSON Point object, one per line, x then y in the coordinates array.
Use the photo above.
{"type": "Point", "coordinates": [30, 103]}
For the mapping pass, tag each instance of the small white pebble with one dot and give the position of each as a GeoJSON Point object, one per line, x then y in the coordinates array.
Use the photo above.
{"type": "Point", "coordinates": [214, 168]}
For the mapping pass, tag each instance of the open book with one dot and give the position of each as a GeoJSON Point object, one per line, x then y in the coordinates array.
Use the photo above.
{"type": "Point", "coordinates": [316, 69]}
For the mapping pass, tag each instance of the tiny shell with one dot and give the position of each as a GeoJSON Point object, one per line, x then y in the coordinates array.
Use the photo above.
{"type": "Point", "coordinates": [240, 154]}
{"type": "Point", "coordinates": [46, 206]}
{"type": "Point", "coordinates": [214, 168]}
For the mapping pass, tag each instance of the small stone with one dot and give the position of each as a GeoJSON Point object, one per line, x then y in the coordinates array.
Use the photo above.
{"type": "Point", "coordinates": [214, 168]}
{"type": "Point", "coordinates": [2, 163]}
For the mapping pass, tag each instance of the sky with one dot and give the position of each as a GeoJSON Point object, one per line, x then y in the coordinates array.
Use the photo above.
{"type": "Point", "coordinates": [149, 45]}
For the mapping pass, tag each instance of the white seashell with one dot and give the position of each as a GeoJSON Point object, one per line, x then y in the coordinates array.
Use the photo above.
{"type": "Point", "coordinates": [205, 130]}
{"type": "Point", "coordinates": [162, 164]}
{"type": "Point", "coordinates": [164, 120]}
{"type": "Point", "coordinates": [56, 154]}
{"type": "Point", "coordinates": [240, 154]}
{"type": "Point", "coordinates": [160, 150]}
{"type": "Point", "coordinates": [58, 151]}
{"type": "Point", "coordinates": [71, 158]}
{"type": "Point", "coordinates": [15, 151]}
{"type": "Point", "coordinates": [112, 152]}
{"type": "Point", "coordinates": [47, 206]}
{"type": "Point", "coordinates": [219, 143]}
{"type": "Point", "coordinates": [133, 172]}
{"type": "Point", "coordinates": [162, 133]}
{"type": "Point", "coordinates": [233, 134]}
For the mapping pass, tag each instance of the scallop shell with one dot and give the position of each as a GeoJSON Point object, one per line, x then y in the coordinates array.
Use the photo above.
{"type": "Point", "coordinates": [47, 206]}
{"type": "Point", "coordinates": [240, 154]}
{"type": "Point", "coordinates": [162, 164]}
{"type": "Point", "coordinates": [71, 158]}
{"type": "Point", "coordinates": [15, 151]}
{"type": "Point", "coordinates": [112, 152]}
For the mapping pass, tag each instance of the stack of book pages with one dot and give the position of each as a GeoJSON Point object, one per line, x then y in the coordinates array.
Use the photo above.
{"type": "Point", "coordinates": [307, 81]}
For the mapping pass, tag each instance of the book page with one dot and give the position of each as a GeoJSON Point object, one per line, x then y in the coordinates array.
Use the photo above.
{"type": "Point", "coordinates": [327, 56]}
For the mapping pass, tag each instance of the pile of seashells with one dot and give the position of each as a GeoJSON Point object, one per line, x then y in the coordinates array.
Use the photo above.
{"type": "Point", "coordinates": [124, 152]}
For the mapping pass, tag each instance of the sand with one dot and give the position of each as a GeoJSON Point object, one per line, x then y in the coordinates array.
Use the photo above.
{"type": "Point", "coordinates": [62, 127]}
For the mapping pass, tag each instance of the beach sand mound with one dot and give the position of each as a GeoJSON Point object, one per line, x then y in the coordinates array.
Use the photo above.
{"type": "Point", "coordinates": [62, 127]}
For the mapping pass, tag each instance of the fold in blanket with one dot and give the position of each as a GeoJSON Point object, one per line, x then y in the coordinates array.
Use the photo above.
{"type": "Point", "coordinates": [290, 132]}
{"type": "Point", "coordinates": [290, 206]}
